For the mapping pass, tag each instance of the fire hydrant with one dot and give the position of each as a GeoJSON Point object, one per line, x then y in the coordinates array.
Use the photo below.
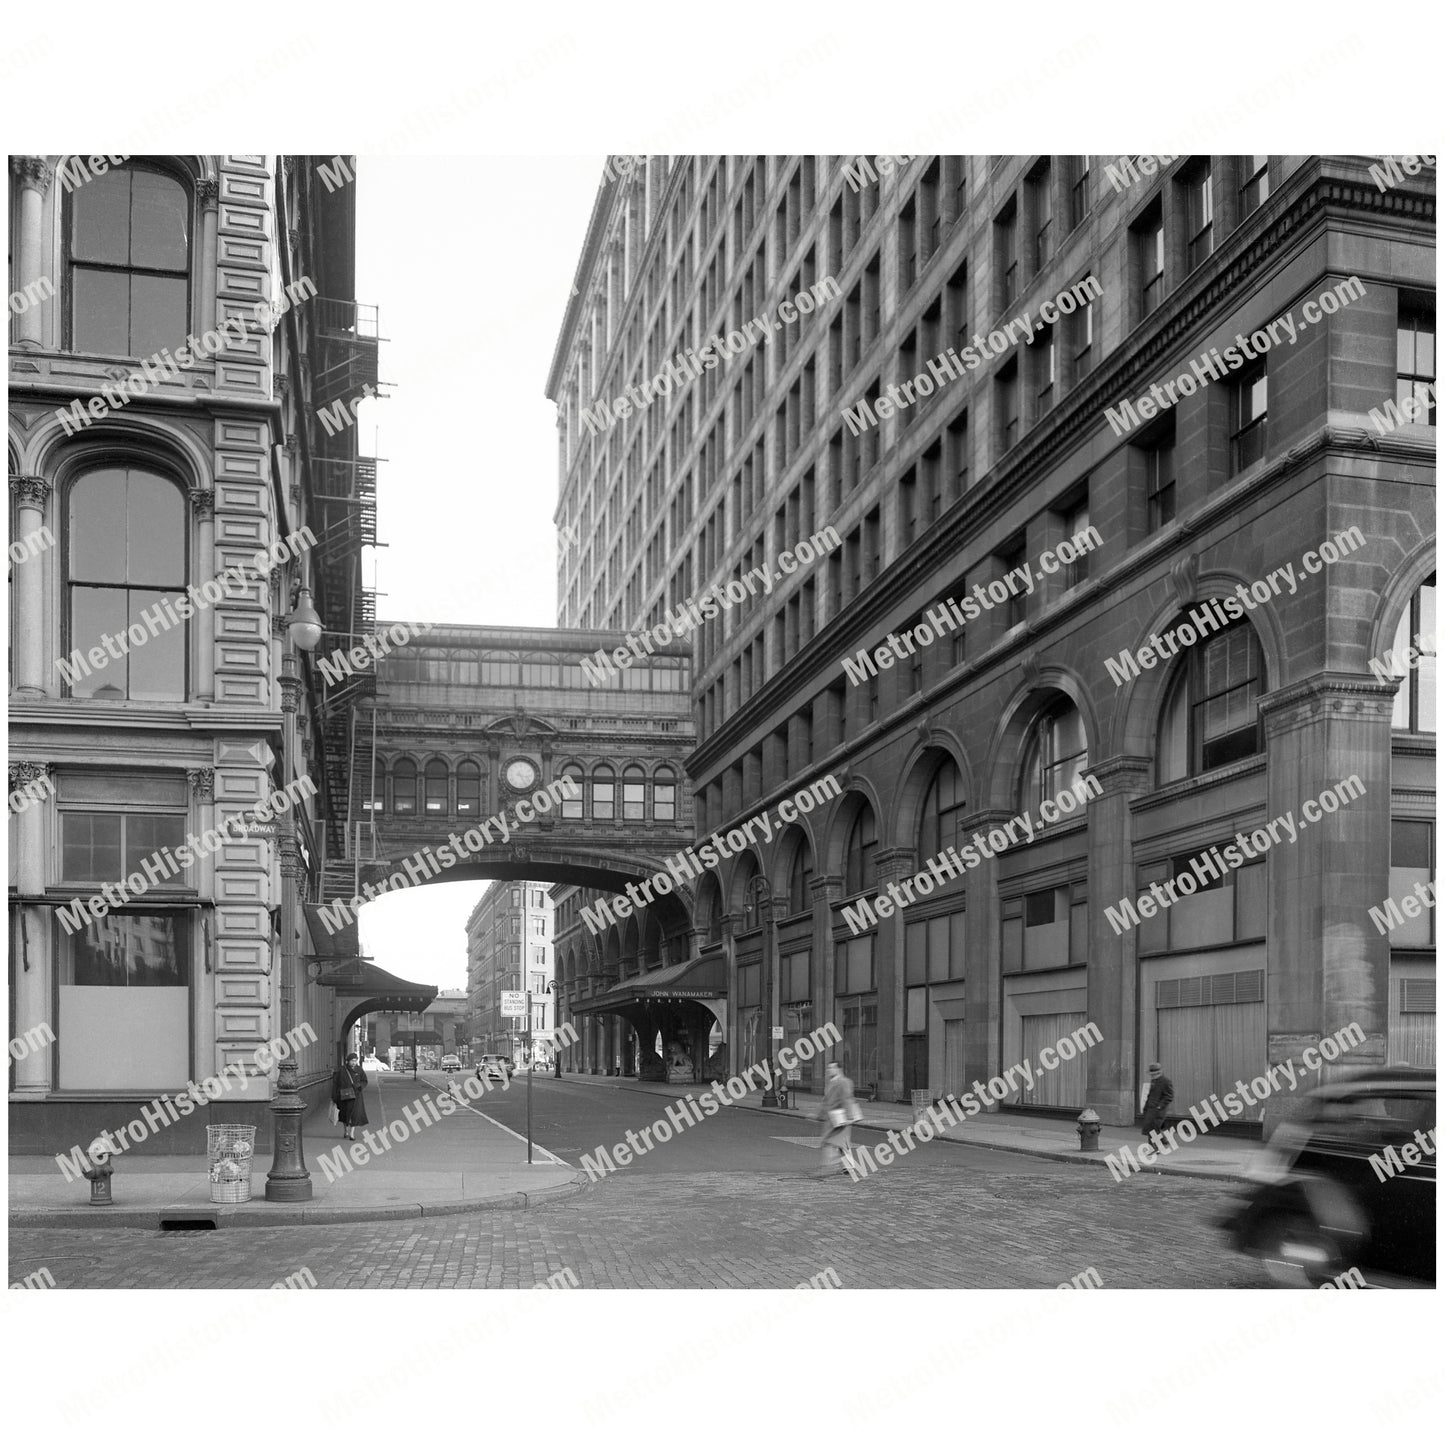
{"type": "Point", "coordinates": [99, 1175]}
{"type": "Point", "coordinates": [1088, 1131]}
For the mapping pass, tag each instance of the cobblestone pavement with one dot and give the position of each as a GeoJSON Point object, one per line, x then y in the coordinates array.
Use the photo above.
{"type": "Point", "coordinates": [924, 1229]}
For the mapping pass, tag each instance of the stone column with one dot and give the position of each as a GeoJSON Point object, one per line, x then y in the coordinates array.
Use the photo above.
{"type": "Point", "coordinates": [893, 866]}
{"type": "Point", "coordinates": [826, 892]}
{"type": "Point", "coordinates": [1328, 966]}
{"type": "Point", "coordinates": [32, 677]}
{"type": "Point", "coordinates": [730, 973]}
{"type": "Point", "coordinates": [33, 175]}
{"type": "Point", "coordinates": [33, 966]}
{"type": "Point", "coordinates": [1113, 970]}
{"type": "Point", "coordinates": [203, 504]}
{"type": "Point", "coordinates": [983, 985]}
{"type": "Point", "coordinates": [209, 193]}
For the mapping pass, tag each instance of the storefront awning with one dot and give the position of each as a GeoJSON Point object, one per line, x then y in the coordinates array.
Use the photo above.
{"type": "Point", "coordinates": [696, 981]}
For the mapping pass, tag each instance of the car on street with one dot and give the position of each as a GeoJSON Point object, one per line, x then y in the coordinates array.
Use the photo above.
{"type": "Point", "coordinates": [1348, 1184]}
{"type": "Point", "coordinates": [451, 1064]}
{"type": "Point", "coordinates": [494, 1066]}
{"type": "Point", "coordinates": [376, 1064]}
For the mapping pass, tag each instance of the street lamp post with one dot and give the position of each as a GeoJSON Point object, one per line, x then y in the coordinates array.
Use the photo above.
{"type": "Point", "coordinates": [288, 1180]}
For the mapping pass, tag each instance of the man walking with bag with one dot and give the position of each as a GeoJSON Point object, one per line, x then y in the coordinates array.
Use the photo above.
{"type": "Point", "coordinates": [840, 1113]}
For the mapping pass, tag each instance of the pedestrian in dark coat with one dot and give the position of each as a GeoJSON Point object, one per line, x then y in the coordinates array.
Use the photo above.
{"type": "Point", "coordinates": [347, 1084]}
{"type": "Point", "coordinates": [840, 1112]}
{"type": "Point", "coordinates": [1158, 1100]}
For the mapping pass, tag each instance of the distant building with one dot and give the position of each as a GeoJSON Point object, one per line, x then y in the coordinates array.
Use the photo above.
{"type": "Point", "coordinates": [510, 947]}
{"type": "Point", "coordinates": [443, 1028]}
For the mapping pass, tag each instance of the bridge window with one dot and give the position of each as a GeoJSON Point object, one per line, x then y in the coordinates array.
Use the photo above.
{"type": "Point", "coordinates": [572, 806]}
{"type": "Point", "coordinates": [664, 798]}
{"type": "Point", "coordinates": [469, 789]}
{"type": "Point", "coordinates": [634, 793]}
{"type": "Point", "coordinates": [603, 794]}
{"type": "Point", "coordinates": [436, 786]}
{"type": "Point", "coordinates": [403, 786]}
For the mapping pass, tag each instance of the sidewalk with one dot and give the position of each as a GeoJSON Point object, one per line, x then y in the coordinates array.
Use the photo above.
{"type": "Point", "coordinates": [464, 1164]}
{"type": "Point", "coordinates": [1211, 1156]}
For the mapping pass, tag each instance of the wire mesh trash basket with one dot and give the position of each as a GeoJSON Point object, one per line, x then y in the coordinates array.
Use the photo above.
{"type": "Point", "coordinates": [229, 1148]}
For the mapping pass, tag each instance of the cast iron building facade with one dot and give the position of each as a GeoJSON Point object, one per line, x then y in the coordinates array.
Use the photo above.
{"type": "Point", "coordinates": [1128, 275]}
{"type": "Point", "coordinates": [154, 471]}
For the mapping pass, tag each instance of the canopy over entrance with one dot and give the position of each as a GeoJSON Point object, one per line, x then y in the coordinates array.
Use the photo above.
{"type": "Point", "coordinates": [679, 1004]}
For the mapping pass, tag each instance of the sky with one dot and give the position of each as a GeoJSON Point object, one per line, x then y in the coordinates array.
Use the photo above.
{"type": "Point", "coordinates": [470, 261]}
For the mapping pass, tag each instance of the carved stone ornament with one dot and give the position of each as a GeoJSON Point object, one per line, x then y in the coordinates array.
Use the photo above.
{"type": "Point", "coordinates": [203, 783]}
{"type": "Point", "coordinates": [31, 491]}
{"type": "Point", "coordinates": [33, 172]}
{"type": "Point", "coordinates": [1185, 575]}
{"type": "Point", "coordinates": [203, 501]}
{"type": "Point", "coordinates": [23, 773]}
{"type": "Point", "coordinates": [208, 192]}
{"type": "Point", "coordinates": [1030, 668]}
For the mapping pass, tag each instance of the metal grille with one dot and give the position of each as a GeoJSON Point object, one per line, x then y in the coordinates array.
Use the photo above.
{"type": "Point", "coordinates": [1207, 990]}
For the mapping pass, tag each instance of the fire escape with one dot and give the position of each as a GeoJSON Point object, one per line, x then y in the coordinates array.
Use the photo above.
{"type": "Point", "coordinates": [344, 369]}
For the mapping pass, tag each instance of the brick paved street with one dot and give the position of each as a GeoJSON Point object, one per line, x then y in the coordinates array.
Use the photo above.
{"type": "Point", "coordinates": [935, 1228]}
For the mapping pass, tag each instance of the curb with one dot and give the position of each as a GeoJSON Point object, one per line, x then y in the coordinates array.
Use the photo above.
{"type": "Point", "coordinates": [1097, 1158]}
{"type": "Point", "coordinates": [230, 1216]}
{"type": "Point", "coordinates": [1080, 1158]}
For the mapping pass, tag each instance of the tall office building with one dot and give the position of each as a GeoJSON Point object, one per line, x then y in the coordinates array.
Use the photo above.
{"type": "Point", "coordinates": [1130, 466]}
{"type": "Point", "coordinates": [510, 947]}
{"type": "Point", "coordinates": [180, 322]}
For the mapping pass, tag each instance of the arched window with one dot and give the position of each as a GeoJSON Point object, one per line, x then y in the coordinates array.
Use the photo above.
{"type": "Point", "coordinates": [1055, 757]}
{"type": "Point", "coordinates": [634, 793]}
{"type": "Point", "coordinates": [943, 807]}
{"type": "Point", "coordinates": [800, 879]}
{"type": "Point", "coordinates": [128, 251]}
{"type": "Point", "coordinates": [859, 872]}
{"type": "Point", "coordinates": [403, 786]}
{"type": "Point", "coordinates": [750, 890]}
{"type": "Point", "coordinates": [572, 801]}
{"type": "Point", "coordinates": [604, 791]}
{"type": "Point", "coordinates": [664, 796]}
{"type": "Point", "coordinates": [126, 530]}
{"type": "Point", "coordinates": [1211, 709]}
{"type": "Point", "coordinates": [1415, 701]}
{"type": "Point", "coordinates": [436, 787]}
{"type": "Point", "coordinates": [469, 789]}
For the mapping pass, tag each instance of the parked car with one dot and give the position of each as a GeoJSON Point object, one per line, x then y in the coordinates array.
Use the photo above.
{"type": "Point", "coordinates": [451, 1064]}
{"type": "Point", "coordinates": [494, 1066]}
{"type": "Point", "coordinates": [1348, 1184]}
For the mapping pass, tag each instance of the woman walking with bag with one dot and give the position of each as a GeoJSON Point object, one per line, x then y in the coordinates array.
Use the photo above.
{"type": "Point", "coordinates": [346, 1086]}
{"type": "Point", "coordinates": [840, 1113]}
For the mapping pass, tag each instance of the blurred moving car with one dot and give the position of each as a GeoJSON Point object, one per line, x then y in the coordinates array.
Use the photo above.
{"type": "Point", "coordinates": [375, 1063]}
{"type": "Point", "coordinates": [494, 1066]}
{"type": "Point", "coordinates": [1348, 1184]}
{"type": "Point", "coordinates": [451, 1064]}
